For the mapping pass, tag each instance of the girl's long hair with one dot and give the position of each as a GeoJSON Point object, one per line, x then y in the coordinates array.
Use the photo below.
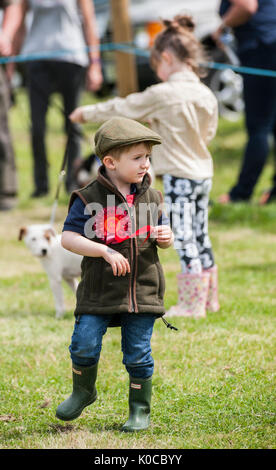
{"type": "Point", "coordinates": [178, 37]}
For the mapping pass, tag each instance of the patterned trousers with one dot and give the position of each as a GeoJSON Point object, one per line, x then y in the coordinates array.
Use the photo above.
{"type": "Point", "coordinates": [187, 204]}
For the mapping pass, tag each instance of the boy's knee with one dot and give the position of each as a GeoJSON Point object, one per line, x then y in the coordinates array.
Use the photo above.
{"type": "Point", "coordinates": [84, 348]}
{"type": "Point", "coordinates": [139, 366]}
{"type": "Point", "coordinates": [83, 356]}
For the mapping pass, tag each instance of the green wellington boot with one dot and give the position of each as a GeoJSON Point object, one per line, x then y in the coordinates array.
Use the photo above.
{"type": "Point", "coordinates": [139, 405]}
{"type": "Point", "coordinates": [84, 393]}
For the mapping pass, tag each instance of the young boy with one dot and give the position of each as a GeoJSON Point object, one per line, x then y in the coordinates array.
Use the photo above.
{"type": "Point", "coordinates": [115, 223]}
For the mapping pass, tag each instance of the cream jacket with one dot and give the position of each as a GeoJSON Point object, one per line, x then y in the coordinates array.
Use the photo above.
{"type": "Point", "coordinates": [183, 111]}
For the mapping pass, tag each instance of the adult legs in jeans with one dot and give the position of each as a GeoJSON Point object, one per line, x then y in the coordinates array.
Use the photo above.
{"type": "Point", "coordinates": [260, 114]}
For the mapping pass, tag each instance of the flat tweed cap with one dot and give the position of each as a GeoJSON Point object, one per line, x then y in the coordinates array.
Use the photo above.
{"type": "Point", "coordinates": [120, 131]}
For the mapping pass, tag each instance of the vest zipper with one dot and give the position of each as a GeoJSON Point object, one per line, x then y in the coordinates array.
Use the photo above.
{"type": "Point", "coordinates": [132, 212]}
{"type": "Point", "coordinates": [134, 264]}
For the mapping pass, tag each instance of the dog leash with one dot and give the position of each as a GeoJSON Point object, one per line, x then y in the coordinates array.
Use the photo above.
{"type": "Point", "coordinates": [61, 176]}
{"type": "Point", "coordinates": [62, 172]}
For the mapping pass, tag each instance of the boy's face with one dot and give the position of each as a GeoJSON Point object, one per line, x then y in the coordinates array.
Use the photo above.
{"type": "Point", "coordinates": [132, 165]}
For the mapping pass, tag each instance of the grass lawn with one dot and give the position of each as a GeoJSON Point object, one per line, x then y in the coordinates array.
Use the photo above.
{"type": "Point", "coordinates": [214, 380]}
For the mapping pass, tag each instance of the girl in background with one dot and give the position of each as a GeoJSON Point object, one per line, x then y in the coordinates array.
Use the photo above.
{"type": "Point", "coordinates": [185, 113]}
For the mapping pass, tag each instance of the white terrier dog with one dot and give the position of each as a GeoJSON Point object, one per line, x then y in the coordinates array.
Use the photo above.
{"type": "Point", "coordinates": [45, 244]}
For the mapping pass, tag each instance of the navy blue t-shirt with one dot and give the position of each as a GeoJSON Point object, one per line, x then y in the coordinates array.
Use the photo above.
{"type": "Point", "coordinates": [76, 219]}
{"type": "Point", "coordinates": [260, 28]}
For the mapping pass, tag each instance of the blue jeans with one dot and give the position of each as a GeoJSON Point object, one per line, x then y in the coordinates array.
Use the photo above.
{"type": "Point", "coordinates": [136, 332]}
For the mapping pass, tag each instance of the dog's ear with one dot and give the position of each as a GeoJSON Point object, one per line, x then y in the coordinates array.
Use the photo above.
{"type": "Point", "coordinates": [50, 232]}
{"type": "Point", "coordinates": [22, 233]}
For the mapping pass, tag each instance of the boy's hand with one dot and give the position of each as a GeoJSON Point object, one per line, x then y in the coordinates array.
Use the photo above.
{"type": "Point", "coordinates": [76, 115]}
{"type": "Point", "coordinates": [163, 235]}
{"type": "Point", "coordinates": [118, 262]}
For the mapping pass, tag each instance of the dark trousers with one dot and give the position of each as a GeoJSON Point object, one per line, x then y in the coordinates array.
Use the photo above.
{"type": "Point", "coordinates": [44, 78]}
{"type": "Point", "coordinates": [8, 180]}
{"type": "Point", "coordinates": [260, 115]}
